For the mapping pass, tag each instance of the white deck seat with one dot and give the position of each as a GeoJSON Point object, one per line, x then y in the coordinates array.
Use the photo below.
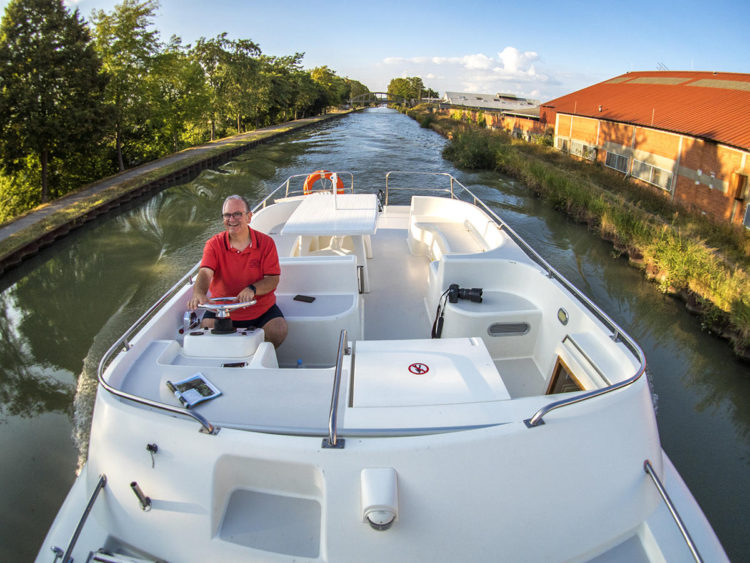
{"type": "Point", "coordinates": [314, 328]}
{"type": "Point", "coordinates": [440, 237]}
{"type": "Point", "coordinates": [438, 227]}
{"type": "Point", "coordinates": [271, 219]}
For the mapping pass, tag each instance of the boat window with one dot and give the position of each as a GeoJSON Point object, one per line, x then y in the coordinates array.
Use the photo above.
{"type": "Point", "coordinates": [563, 380]}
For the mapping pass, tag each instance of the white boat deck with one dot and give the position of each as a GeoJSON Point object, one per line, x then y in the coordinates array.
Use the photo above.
{"type": "Point", "coordinates": [395, 306]}
{"type": "Point", "coordinates": [443, 419]}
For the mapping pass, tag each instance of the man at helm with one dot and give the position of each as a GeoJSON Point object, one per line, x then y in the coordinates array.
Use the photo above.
{"type": "Point", "coordinates": [241, 262]}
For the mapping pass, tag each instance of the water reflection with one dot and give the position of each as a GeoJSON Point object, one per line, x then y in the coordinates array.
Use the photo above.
{"type": "Point", "coordinates": [27, 388]}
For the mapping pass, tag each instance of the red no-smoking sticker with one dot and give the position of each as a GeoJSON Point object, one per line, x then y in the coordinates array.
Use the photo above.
{"type": "Point", "coordinates": [418, 368]}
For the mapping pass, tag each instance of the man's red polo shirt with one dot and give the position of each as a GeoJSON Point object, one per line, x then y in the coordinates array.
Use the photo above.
{"type": "Point", "coordinates": [235, 269]}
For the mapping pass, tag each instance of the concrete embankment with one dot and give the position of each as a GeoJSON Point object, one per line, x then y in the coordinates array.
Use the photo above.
{"type": "Point", "coordinates": [28, 234]}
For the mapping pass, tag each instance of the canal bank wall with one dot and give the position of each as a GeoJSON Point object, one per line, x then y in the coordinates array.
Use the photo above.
{"type": "Point", "coordinates": [30, 233]}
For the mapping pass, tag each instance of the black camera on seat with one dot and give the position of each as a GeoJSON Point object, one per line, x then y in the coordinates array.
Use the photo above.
{"type": "Point", "coordinates": [455, 293]}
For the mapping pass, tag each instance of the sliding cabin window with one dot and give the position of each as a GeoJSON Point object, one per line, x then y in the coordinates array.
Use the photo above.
{"type": "Point", "coordinates": [563, 380]}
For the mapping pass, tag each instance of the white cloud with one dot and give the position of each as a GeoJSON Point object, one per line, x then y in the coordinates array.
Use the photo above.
{"type": "Point", "coordinates": [480, 61]}
{"type": "Point", "coordinates": [511, 70]}
{"type": "Point", "coordinates": [514, 61]}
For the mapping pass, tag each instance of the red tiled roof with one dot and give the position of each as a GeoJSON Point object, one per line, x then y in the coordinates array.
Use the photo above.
{"type": "Point", "coordinates": [701, 104]}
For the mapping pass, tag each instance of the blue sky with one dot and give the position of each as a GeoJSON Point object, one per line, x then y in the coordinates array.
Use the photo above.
{"type": "Point", "coordinates": [534, 48]}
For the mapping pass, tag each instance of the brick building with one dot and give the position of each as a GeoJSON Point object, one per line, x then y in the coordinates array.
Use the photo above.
{"type": "Point", "coordinates": [518, 116]}
{"type": "Point", "coordinates": [686, 133]}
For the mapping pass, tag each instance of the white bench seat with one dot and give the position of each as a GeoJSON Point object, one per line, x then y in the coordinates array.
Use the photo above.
{"type": "Point", "coordinates": [438, 226]}
{"type": "Point", "coordinates": [449, 236]}
{"type": "Point", "coordinates": [324, 306]}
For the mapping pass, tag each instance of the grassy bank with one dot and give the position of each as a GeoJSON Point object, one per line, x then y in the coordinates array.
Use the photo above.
{"type": "Point", "coordinates": [690, 256]}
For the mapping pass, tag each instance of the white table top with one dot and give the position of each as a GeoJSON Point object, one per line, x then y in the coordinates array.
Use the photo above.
{"type": "Point", "coordinates": [333, 214]}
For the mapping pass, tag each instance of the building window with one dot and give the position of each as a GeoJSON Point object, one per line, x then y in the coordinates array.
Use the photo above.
{"type": "Point", "coordinates": [746, 222]}
{"type": "Point", "coordinates": [617, 161]}
{"type": "Point", "coordinates": [562, 144]}
{"type": "Point", "coordinates": [577, 148]}
{"type": "Point", "coordinates": [653, 175]}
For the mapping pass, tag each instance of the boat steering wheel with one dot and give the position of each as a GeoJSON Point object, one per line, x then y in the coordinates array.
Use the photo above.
{"type": "Point", "coordinates": [223, 305]}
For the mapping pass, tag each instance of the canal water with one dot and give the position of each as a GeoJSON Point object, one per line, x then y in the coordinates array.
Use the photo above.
{"type": "Point", "coordinates": [60, 311]}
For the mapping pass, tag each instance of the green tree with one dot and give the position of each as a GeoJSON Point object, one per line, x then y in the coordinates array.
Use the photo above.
{"type": "Point", "coordinates": [50, 88]}
{"type": "Point", "coordinates": [335, 88]}
{"type": "Point", "coordinates": [242, 72]}
{"type": "Point", "coordinates": [399, 87]}
{"type": "Point", "coordinates": [213, 57]}
{"type": "Point", "coordinates": [411, 89]}
{"type": "Point", "coordinates": [356, 88]}
{"type": "Point", "coordinates": [178, 96]}
{"type": "Point", "coordinates": [417, 87]}
{"type": "Point", "coordinates": [310, 98]}
{"type": "Point", "coordinates": [275, 91]}
{"type": "Point", "coordinates": [127, 45]}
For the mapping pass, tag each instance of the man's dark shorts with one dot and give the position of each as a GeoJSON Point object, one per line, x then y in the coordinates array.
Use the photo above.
{"type": "Point", "coordinates": [260, 322]}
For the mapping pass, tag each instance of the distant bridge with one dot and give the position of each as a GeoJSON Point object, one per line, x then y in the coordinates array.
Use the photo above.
{"type": "Point", "coordinates": [377, 98]}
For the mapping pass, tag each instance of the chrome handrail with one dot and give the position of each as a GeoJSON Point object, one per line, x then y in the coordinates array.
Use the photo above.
{"type": "Point", "coordinates": [416, 173]}
{"type": "Point", "coordinates": [617, 333]}
{"type": "Point", "coordinates": [287, 182]}
{"type": "Point", "coordinates": [649, 469]}
{"type": "Point", "coordinates": [123, 343]}
{"type": "Point", "coordinates": [286, 187]}
{"type": "Point", "coordinates": [332, 441]}
{"type": "Point", "coordinates": [101, 483]}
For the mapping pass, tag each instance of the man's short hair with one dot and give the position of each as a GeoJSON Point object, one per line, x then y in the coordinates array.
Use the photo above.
{"type": "Point", "coordinates": [235, 196]}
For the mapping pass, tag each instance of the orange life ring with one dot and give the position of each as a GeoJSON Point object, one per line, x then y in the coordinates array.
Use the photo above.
{"type": "Point", "coordinates": [319, 175]}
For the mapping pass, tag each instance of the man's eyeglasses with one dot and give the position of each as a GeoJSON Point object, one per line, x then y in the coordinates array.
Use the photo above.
{"type": "Point", "coordinates": [235, 215]}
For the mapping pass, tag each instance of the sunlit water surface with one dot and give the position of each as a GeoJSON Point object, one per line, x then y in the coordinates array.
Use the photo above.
{"type": "Point", "coordinates": [60, 311]}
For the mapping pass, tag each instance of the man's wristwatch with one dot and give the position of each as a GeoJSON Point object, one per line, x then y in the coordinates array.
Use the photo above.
{"type": "Point", "coordinates": [255, 291]}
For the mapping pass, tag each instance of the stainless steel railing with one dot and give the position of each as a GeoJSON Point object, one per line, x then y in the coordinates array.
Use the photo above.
{"type": "Point", "coordinates": [67, 555]}
{"type": "Point", "coordinates": [123, 343]}
{"type": "Point", "coordinates": [433, 189]}
{"type": "Point", "coordinates": [649, 469]}
{"type": "Point", "coordinates": [333, 441]}
{"type": "Point", "coordinates": [288, 189]}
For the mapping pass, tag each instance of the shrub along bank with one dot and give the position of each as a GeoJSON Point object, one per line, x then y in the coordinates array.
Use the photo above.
{"type": "Point", "coordinates": [688, 255]}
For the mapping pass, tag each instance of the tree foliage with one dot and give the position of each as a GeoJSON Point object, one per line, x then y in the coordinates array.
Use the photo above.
{"type": "Point", "coordinates": [77, 104]}
{"type": "Point", "coordinates": [411, 89]}
{"type": "Point", "coordinates": [50, 92]}
{"type": "Point", "coordinates": [127, 46]}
